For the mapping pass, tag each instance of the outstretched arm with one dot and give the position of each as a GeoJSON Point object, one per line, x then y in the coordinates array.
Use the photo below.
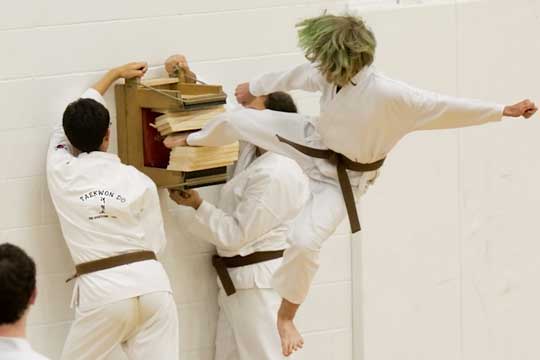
{"type": "Point", "coordinates": [128, 71]}
{"type": "Point", "coordinates": [430, 111]}
{"type": "Point", "coordinates": [268, 201]}
{"type": "Point", "coordinates": [60, 150]}
{"type": "Point", "coordinates": [303, 77]}
{"type": "Point", "coordinates": [256, 127]}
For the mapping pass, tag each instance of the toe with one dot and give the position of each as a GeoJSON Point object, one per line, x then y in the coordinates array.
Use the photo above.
{"type": "Point", "coordinates": [284, 349]}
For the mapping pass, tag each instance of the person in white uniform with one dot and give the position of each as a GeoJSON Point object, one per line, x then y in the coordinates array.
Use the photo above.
{"type": "Point", "coordinates": [111, 220]}
{"type": "Point", "coordinates": [363, 115]}
{"type": "Point", "coordinates": [17, 293]}
{"type": "Point", "coordinates": [249, 226]}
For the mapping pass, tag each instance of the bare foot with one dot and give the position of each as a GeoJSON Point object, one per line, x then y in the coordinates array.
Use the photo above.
{"type": "Point", "coordinates": [291, 340]}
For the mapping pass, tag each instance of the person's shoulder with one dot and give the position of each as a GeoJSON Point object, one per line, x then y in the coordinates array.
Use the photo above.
{"type": "Point", "coordinates": [135, 175]}
{"type": "Point", "coordinates": [38, 356]}
{"type": "Point", "coordinates": [395, 91]}
{"type": "Point", "coordinates": [281, 168]}
{"type": "Point", "coordinates": [386, 83]}
{"type": "Point", "coordinates": [315, 73]}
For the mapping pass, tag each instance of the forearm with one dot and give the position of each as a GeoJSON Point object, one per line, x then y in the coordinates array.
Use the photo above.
{"type": "Point", "coordinates": [233, 230]}
{"type": "Point", "coordinates": [303, 77]}
{"type": "Point", "coordinates": [225, 230]}
{"type": "Point", "coordinates": [218, 132]}
{"type": "Point", "coordinates": [256, 127]}
{"type": "Point", "coordinates": [443, 112]}
{"type": "Point", "coordinates": [107, 80]}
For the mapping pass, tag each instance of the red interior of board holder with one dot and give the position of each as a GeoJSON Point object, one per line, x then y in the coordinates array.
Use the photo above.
{"type": "Point", "coordinates": [155, 153]}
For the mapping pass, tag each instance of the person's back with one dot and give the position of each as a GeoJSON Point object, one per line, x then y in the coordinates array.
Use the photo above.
{"type": "Point", "coordinates": [101, 193]}
{"type": "Point", "coordinates": [17, 294]}
{"type": "Point", "coordinates": [111, 219]}
{"type": "Point", "coordinates": [106, 208]}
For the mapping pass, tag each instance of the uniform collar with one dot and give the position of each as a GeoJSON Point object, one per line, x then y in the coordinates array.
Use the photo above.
{"type": "Point", "coordinates": [358, 82]}
{"type": "Point", "coordinates": [16, 343]}
{"type": "Point", "coordinates": [99, 155]}
{"type": "Point", "coordinates": [360, 78]}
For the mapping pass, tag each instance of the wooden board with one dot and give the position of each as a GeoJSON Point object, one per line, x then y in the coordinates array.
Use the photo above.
{"type": "Point", "coordinates": [194, 167]}
{"type": "Point", "coordinates": [160, 81]}
{"type": "Point", "coordinates": [121, 123]}
{"type": "Point", "coordinates": [132, 99]}
{"type": "Point", "coordinates": [185, 121]}
{"type": "Point", "coordinates": [198, 89]}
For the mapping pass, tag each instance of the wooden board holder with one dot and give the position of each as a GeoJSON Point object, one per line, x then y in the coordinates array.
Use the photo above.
{"type": "Point", "coordinates": [132, 98]}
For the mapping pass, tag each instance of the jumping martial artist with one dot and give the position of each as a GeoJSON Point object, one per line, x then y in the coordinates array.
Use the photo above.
{"type": "Point", "coordinates": [249, 226]}
{"type": "Point", "coordinates": [111, 220]}
{"type": "Point", "coordinates": [363, 116]}
{"type": "Point", "coordinates": [17, 294]}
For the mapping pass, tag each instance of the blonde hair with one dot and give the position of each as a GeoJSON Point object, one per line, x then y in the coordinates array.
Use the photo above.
{"type": "Point", "coordinates": [340, 46]}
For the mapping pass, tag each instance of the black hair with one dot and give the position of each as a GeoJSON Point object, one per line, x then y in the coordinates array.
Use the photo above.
{"type": "Point", "coordinates": [280, 101]}
{"type": "Point", "coordinates": [86, 122]}
{"type": "Point", "coordinates": [17, 283]}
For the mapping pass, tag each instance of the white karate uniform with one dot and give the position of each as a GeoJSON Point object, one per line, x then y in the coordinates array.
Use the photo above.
{"type": "Point", "coordinates": [105, 209]}
{"type": "Point", "coordinates": [252, 215]}
{"type": "Point", "coordinates": [363, 121]}
{"type": "Point", "coordinates": [12, 348]}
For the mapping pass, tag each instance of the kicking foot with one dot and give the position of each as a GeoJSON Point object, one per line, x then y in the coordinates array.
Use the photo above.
{"type": "Point", "coordinates": [291, 340]}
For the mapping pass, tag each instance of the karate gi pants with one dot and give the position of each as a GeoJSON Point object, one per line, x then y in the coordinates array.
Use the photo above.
{"type": "Point", "coordinates": [145, 326]}
{"type": "Point", "coordinates": [246, 327]}
{"type": "Point", "coordinates": [324, 210]}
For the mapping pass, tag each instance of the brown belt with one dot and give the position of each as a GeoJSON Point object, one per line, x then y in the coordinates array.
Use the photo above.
{"type": "Point", "coordinates": [222, 263]}
{"type": "Point", "coordinates": [110, 262]}
{"type": "Point", "coordinates": [343, 164]}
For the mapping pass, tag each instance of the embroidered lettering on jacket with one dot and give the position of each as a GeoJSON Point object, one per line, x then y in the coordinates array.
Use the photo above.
{"type": "Point", "coordinates": [102, 196]}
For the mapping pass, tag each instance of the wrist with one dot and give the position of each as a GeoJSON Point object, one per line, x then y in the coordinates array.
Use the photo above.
{"type": "Point", "coordinates": [115, 73]}
{"type": "Point", "coordinates": [197, 204]}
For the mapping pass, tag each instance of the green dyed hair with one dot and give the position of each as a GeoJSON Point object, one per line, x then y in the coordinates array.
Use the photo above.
{"type": "Point", "coordinates": [340, 46]}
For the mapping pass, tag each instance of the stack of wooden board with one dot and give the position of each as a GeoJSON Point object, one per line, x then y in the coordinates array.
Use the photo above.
{"type": "Point", "coordinates": [192, 158]}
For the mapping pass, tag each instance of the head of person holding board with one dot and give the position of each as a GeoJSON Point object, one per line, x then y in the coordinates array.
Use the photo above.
{"type": "Point", "coordinates": [17, 294]}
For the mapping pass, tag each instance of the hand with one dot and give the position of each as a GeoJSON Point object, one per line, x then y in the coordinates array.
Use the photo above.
{"type": "Point", "coordinates": [131, 70]}
{"type": "Point", "coordinates": [175, 140]}
{"type": "Point", "coordinates": [186, 198]}
{"type": "Point", "coordinates": [525, 108]}
{"type": "Point", "coordinates": [243, 96]}
{"type": "Point", "coordinates": [176, 60]}
{"type": "Point", "coordinates": [128, 71]}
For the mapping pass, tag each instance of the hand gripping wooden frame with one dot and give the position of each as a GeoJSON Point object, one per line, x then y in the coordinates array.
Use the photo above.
{"type": "Point", "coordinates": [138, 103]}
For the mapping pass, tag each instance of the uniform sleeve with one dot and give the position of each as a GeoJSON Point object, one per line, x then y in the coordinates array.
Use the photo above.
{"type": "Point", "coordinates": [431, 111]}
{"type": "Point", "coordinates": [218, 132]}
{"type": "Point", "coordinates": [256, 127]}
{"type": "Point", "coordinates": [152, 218]}
{"type": "Point", "coordinates": [303, 77]}
{"type": "Point", "coordinates": [264, 206]}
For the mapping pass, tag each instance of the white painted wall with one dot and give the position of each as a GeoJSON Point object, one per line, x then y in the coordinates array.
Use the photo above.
{"type": "Point", "coordinates": [52, 52]}
{"type": "Point", "coordinates": [448, 252]}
